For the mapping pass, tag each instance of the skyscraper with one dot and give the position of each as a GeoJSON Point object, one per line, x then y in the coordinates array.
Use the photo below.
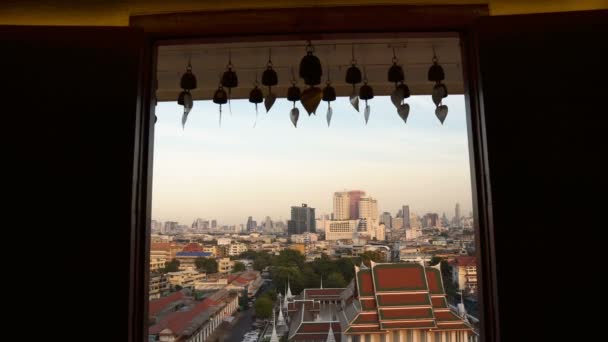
{"type": "Point", "coordinates": [341, 206]}
{"type": "Point", "coordinates": [457, 215]}
{"type": "Point", "coordinates": [302, 220]}
{"type": "Point", "coordinates": [406, 216]}
{"type": "Point", "coordinates": [268, 226]}
{"type": "Point", "coordinates": [354, 197]}
{"type": "Point", "coordinates": [368, 208]}
{"type": "Point", "coordinates": [213, 224]}
{"type": "Point", "coordinates": [386, 219]}
{"type": "Point", "coordinates": [251, 224]}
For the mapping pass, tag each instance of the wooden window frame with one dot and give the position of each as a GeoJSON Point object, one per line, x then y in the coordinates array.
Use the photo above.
{"type": "Point", "coordinates": [315, 23]}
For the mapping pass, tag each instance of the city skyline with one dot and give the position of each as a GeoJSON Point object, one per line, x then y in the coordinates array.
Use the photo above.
{"type": "Point", "coordinates": [237, 171]}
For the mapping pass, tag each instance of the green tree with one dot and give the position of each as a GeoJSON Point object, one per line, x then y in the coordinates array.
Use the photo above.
{"type": "Point", "coordinates": [262, 260]}
{"type": "Point", "coordinates": [238, 267]}
{"type": "Point", "coordinates": [171, 266]}
{"type": "Point", "coordinates": [335, 280]}
{"type": "Point", "coordinates": [375, 256]}
{"type": "Point", "coordinates": [311, 278]}
{"type": "Point", "coordinates": [209, 265]}
{"type": "Point", "coordinates": [280, 275]}
{"type": "Point", "coordinates": [290, 258]}
{"type": "Point", "coordinates": [346, 267]}
{"type": "Point", "coordinates": [263, 307]}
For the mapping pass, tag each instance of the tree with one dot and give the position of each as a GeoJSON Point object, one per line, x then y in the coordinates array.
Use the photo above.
{"type": "Point", "coordinates": [238, 267]}
{"type": "Point", "coordinates": [171, 266]}
{"type": "Point", "coordinates": [208, 265]}
{"type": "Point", "coordinates": [263, 307]}
{"type": "Point", "coordinates": [346, 267]}
{"type": "Point", "coordinates": [335, 280]}
{"type": "Point", "coordinates": [375, 256]}
{"type": "Point", "coordinates": [280, 275]}
{"type": "Point", "coordinates": [290, 258]}
{"type": "Point", "coordinates": [261, 261]}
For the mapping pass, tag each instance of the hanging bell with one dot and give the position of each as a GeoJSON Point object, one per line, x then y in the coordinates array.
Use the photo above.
{"type": "Point", "coordinates": [293, 93]}
{"type": "Point", "coordinates": [180, 98]}
{"type": "Point", "coordinates": [310, 67]}
{"type": "Point", "coordinates": [188, 80]}
{"type": "Point", "coordinates": [256, 96]}
{"type": "Point", "coordinates": [366, 92]}
{"type": "Point", "coordinates": [269, 76]}
{"type": "Point", "coordinates": [220, 97]}
{"type": "Point", "coordinates": [395, 73]}
{"type": "Point", "coordinates": [329, 93]}
{"type": "Point", "coordinates": [404, 89]}
{"type": "Point", "coordinates": [229, 78]}
{"type": "Point", "coordinates": [353, 74]}
{"type": "Point", "coordinates": [436, 71]}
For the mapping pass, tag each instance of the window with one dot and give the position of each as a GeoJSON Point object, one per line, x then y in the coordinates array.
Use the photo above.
{"type": "Point", "coordinates": [246, 179]}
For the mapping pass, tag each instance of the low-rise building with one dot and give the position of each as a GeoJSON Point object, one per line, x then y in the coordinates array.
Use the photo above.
{"type": "Point", "coordinates": [237, 249]}
{"type": "Point", "coordinates": [158, 285]}
{"type": "Point", "coordinates": [197, 322]}
{"type": "Point", "coordinates": [464, 273]}
{"type": "Point", "coordinates": [224, 265]}
{"type": "Point", "coordinates": [185, 278]}
{"type": "Point", "coordinates": [250, 280]}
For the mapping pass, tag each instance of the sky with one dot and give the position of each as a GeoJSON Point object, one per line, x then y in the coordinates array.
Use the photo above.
{"type": "Point", "coordinates": [237, 170]}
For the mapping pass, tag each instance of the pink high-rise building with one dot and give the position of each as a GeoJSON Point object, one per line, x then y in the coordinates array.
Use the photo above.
{"type": "Point", "coordinates": [354, 196]}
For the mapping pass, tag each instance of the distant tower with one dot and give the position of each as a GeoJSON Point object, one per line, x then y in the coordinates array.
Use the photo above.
{"type": "Point", "coordinates": [353, 203]}
{"type": "Point", "coordinates": [457, 214]}
{"type": "Point", "coordinates": [405, 210]}
{"type": "Point", "coordinates": [341, 206]}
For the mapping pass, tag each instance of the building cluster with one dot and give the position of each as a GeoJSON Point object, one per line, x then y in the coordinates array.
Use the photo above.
{"type": "Point", "coordinates": [390, 302]}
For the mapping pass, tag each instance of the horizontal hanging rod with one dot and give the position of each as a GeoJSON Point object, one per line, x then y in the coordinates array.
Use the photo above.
{"type": "Point", "coordinates": [387, 44]}
{"type": "Point", "coordinates": [333, 66]}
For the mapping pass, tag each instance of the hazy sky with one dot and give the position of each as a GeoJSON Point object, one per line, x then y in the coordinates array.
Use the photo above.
{"type": "Point", "coordinates": [233, 171]}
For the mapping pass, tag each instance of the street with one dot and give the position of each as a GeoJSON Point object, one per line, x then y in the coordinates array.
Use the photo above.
{"type": "Point", "coordinates": [243, 323]}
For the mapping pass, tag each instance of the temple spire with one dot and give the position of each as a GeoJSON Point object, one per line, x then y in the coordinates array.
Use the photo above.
{"type": "Point", "coordinates": [288, 295]}
{"type": "Point", "coordinates": [330, 334]}
{"type": "Point", "coordinates": [281, 320]}
{"type": "Point", "coordinates": [274, 337]}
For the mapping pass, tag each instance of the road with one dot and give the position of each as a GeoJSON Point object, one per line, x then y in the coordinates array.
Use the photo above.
{"type": "Point", "coordinates": [243, 323]}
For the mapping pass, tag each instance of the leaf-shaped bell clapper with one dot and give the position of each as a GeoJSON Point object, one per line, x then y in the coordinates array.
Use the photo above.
{"type": "Point", "coordinates": [185, 99]}
{"type": "Point", "coordinates": [188, 80]}
{"type": "Point", "coordinates": [366, 93]}
{"type": "Point", "coordinates": [310, 99]}
{"type": "Point", "coordinates": [310, 67]}
{"type": "Point", "coordinates": [329, 94]}
{"type": "Point", "coordinates": [436, 73]}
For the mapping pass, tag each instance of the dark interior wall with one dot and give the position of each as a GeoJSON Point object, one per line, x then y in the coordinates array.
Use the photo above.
{"type": "Point", "coordinates": [69, 104]}
{"type": "Point", "coordinates": [543, 79]}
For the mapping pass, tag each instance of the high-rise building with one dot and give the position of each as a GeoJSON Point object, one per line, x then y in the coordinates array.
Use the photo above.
{"type": "Point", "coordinates": [268, 226]}
{"type": "Point", "coordinates": [397, 223]}
{"type": "Point", "coordinates": [368, 208]}
{"type": "Point", "coordinates": [386, 219]}
{"type": "Point", "coordinates": [213, 224]}
{"type": "Point", "coordinates": [430, 220]}
{"type": "Point", "coordinates": [170, 227]}
{"type": "Point", "coordinates": [251, 224]}
{"type": "Point", "coordinates": [341, 206]}
{"type": "Point", "coordinates": [406, 216]}
{"type": "Point", "coordinates": [354, 197]}
{"type": "Point", "coordinates": [302, 220]}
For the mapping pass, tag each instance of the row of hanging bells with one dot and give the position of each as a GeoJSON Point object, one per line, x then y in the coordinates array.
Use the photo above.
{"type": "Point", "coordinates": [311, 72]}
